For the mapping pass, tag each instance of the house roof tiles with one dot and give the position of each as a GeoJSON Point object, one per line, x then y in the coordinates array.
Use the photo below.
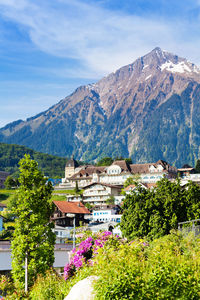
{"type": "Point", "coordinates": [71, 207]}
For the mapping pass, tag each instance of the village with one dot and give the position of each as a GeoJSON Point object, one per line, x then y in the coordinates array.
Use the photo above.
{"type": "Point", "coordinates": [98, 205]}
{"type": "Point", "coordinates": [95, 203]}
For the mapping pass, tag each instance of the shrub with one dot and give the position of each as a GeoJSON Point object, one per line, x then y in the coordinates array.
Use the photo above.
{"type": "Point", "coordinates": [86, 250]}
{"type": "Point", "coordinates": [168, 268]}
{"type": "Point", "coordinates": [50, 286]}
{"type": "Point", "coordinates": [6, 285]}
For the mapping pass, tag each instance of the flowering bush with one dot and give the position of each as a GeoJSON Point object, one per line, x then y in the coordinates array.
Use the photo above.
{"type": "Point", "coordinates": [6, 286]}
{"type": "Point", "coordinates": [86, 250]}
{"type": "Point", "coordinates": [166, 268]}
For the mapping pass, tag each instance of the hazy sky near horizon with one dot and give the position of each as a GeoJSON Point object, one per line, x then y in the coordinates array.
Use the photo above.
{"type": "Point", "coordinates": [50, 47]}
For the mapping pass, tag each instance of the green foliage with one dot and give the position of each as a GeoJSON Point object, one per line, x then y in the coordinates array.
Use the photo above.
{"type": "Point", "coordinates": [33, 231]}
{"type": "Point", "coordinates": [76, 190]}
{"type": "Point", "coordinates": [168, 268]}
{"type": "Point", "coordinates": [58, 198]}
{"type": "Point", "coordinates": [67, 192]}
{"type": "Point", "coordinates": [6, 195]}
{"type": "Point", "coordinates": [49, 286]}
{"type": "Point", "coordinates": [88, 205]}
{"type": "Point", "coordinates": [155, 213]}
{"type": "Point", "coordinates": [6, 285]}
{"type": "Point", "coordinates": [10, 182]}
{"type": "Point", "coordinates": [132, 180]}
{"type": "Point", "coordinates": [110, 200]}
{"type": "Point", "coordinates": [106, 161]}
{"type": "Point", "coordinates": [52, 166]}
{"type": "Point", "coordinates": [197, 167]}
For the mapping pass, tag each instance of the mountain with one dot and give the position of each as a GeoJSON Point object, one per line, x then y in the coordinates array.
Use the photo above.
{"type": "Point", "coordinates": [148, 110]}
{"type": "Point", "coordinates": [51, 166]}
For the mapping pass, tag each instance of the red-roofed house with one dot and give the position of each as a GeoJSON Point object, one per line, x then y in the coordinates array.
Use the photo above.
{"type": "Point", "coordinates": [62, 212]}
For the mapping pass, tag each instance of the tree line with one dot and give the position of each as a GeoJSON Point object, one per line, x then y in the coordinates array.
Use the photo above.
{"type": "Point", "coordinates": [153, 213]}
{"type": "Point", "coordinates": [10, 155]}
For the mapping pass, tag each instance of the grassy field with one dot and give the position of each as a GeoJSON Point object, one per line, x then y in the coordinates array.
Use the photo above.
{"type": "Point", "coordinates": [69, 192]}
{"type": "Point", "coordinates": [58, 198]}
{"type": "Point", "coordinates": [6, 195]}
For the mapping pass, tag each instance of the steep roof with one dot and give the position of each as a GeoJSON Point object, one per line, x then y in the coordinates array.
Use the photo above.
{"type": "Point", "coordinates": [186, 167]}
{"type": "Point", "coordinates": [71, 207]}
{"type": "Point", "coordinates": [142, 184]}
{"type": "Point", "coordinates": [88, 171]}
{"type": "Point", "coordinates": [140, 168]}
{"type": "Point", "coordinates": [133, 186]}
{"type": "Point", "coordinates": [122, 164]}
{"type": "Point", "coordinates": [72, 163]}
{"type": "Point", "coordinates": [144, 168]}
{"type": "Point", "coordinates": [103, 184]}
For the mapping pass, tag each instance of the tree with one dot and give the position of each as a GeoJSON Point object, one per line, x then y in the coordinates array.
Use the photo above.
{"type": "Point", "coordinates": [154, 213]}
{"type": "Point", "coordinates": [197, 167]}
{"type": "Point", "coordinates": [106, 161]}
{"type": "Point", "coordinates": [33, 234]}
{"type": "Point", "coordinates": [110, 200]}
{"type": "Point", "coordinates": [192, 200]}
{"type": "Point", "coordinates": [132, 180]}
{"type": "Point", "coordinates": [10, 182]}
{"type": "Point", "coordinates": [76, 189]}
{"type": "Point", "coordinates": [136, 213]}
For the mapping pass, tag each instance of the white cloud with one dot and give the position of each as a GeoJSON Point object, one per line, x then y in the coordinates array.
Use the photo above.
{"type": "Point", "coordinates": [101, 40]}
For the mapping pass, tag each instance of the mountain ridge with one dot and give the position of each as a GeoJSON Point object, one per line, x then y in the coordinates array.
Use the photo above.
{"type": "Point", "coordinates": [117, 115]}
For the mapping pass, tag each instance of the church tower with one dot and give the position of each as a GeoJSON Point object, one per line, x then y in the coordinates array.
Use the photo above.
{"type": "Point", "coordinates": [70, 167]}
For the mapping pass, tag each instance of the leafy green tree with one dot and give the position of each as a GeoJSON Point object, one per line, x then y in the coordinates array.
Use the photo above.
{"type": "Point", "coordinates": [106, 161]}
{"type": "Point", "coordinates": [197, 167]}
{"type": "Point", "coordinates": [33, 234]}
{"type": "Point", "coordinates": [136, 213]}
{"type": "Point", "coordinates": [88, 205]}
{"type": "Point", "coordinates": [132, 180]}
{"type": "Point", "coordinates": [10, 182]}
{"type": "Point", "coordinates": [192, 192]}
{"type": "Point", "coordinates": [110, 200]}
{"type": "Point", "coordinates": [168, 207]}
{"type": "Point", "coordinates": [76, 189]}
{"type": "Point", "coordinates": [154, 213]}
{"type": "Point", "coordinates": [129, 160]}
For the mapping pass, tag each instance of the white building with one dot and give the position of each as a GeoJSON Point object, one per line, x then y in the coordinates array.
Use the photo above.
{"type": "Point", "coordinates": [116, 174]}
{"type": "Point", "coordinates": [98, 193]}
{"type": "Point", "coordinates": [106, 215]}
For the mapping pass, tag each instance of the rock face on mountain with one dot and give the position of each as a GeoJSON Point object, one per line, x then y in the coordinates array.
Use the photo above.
{"type": "Point", "coordinates": [148, 110]}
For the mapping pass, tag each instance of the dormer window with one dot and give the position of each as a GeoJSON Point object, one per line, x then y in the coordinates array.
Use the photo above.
{"type": "Point", "coordinates": [152, 168]}
{"type": "Point", "coordinates": [114, 169]}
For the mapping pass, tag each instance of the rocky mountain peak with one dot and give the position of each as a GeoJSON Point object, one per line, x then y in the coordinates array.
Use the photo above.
{"type": "Point", "coordinates": [146, 110]}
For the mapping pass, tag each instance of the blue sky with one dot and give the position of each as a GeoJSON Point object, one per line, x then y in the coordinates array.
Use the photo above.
{"type": "Point", "coordinates": [50, 47]}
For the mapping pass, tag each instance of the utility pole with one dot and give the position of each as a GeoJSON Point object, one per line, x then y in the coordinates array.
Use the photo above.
{"type": "Point", "coordinates": [74, 233]}
{"type": "Point", "coordinates": [26, 272]}
{"type": "Point", "coordinates": [74, 228]}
